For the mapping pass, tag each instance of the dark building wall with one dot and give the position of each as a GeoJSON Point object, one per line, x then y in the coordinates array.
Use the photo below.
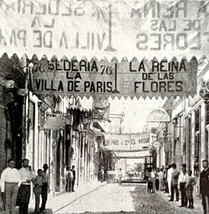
{"type": "Point", "coordinates": [3, 153]}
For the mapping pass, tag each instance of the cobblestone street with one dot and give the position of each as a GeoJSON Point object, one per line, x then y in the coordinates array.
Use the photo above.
{"type": "Point", "coordinates": [150, 203]}
{"type": "Point", "coordinates": [126, 198]}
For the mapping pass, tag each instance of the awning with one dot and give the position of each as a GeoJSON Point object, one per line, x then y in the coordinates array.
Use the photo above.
{"type": "Point", "coordinates": [94, 132]}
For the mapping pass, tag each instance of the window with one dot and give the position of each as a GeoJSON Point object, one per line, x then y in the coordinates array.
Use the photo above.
{"type": "Point", "coordinates": [207, 113]}
{"type": "Point", "coordinates": [197, 120]}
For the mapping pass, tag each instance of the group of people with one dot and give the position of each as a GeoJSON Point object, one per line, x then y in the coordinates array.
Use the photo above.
{"type": "Point", "coordinates": [16, 187]}
{"type": "Point", "coordinates": [155, 180]}
{"type": "Point", "coordinates": [172, 181]}
{"type": "Point", "coordinates": [70, 176]}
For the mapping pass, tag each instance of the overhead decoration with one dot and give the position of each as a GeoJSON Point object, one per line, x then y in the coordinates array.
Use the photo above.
{"type": "Point", "coordinates": [140, 78]}
{"type": "Point", "coordinates": [104, 28]}
{"type": "Point", "coordinates": [126, 142]}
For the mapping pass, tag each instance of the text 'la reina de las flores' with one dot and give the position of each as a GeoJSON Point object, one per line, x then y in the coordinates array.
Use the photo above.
{"type": "Point", "coordinates": [105, 77]}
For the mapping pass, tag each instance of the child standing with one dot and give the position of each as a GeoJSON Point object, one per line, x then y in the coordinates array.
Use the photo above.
{"type": "Point", "coordinates": [190, 182]}
{"type": "Point", "coordinates": [38, 183]}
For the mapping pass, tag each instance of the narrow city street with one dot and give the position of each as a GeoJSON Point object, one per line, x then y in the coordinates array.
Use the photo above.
{"type": "Point", "coordinates": [114, 198]}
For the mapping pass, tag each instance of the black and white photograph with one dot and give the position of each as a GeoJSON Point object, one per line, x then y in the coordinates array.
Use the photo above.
{"type": "Point", "coordinates": [104, 106]}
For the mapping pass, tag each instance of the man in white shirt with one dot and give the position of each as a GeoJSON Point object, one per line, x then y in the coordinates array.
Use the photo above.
{"type": "Point", "coordinates": [182, 185]}
{"type": "Point", "coordinates": [45, 187]}
{"type": "Point", "coordinates": [153, 179]}
{"type": "Point", "coordinates": [169, 178]}
{"type": "Point", "coordinates": [24, 191]}
{"type": "Point", "coordinates": [10, 183]}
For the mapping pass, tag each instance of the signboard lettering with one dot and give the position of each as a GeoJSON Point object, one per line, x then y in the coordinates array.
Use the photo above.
{"type": "Point", "coordinates": [124, 142]}
{"type": "Point", "coordinates": [134, 78]}
{"type": "Point", "coordinates": [136, 27]}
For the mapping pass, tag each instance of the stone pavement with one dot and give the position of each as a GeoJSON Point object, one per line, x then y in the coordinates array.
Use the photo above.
{"type": "Point", "coordinates": [60, 201]}
{"type": "Point", "coordinates": [197, 204]}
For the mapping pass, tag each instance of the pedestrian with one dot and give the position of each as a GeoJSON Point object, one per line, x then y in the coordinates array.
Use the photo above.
{"type": "Point", "coordinates": [182, 185]}
{"type": "Point", "coordinates": [45, 187]}
{"type": "Point", "coordinates": [102, 173]}
{"type": "Point", "coordinates": [24, 192]}
{"type": "Point", "coordinates": [169, 178]}
{"type": "Point", "coordinates": [74, 177]}
{"type": "Point", "coordinates": [153, 178]}
{"type": "Point", "coordinates": [38, 185]}
{"type": "Point", "coordinates": [204, 186]}
{"type": "Point", "coordinates": [120, 175]}
{"type": "Point", "coordinates": [161, 179]}
{"type": "Point", "coordinates": [69, 178]}
{"type": "Point", "coordinates": [197, 175]}
{"type": "Point", "coordinates": [157, 182]}
{"type": "Point", "coordinates": [149, 185]}
{"type": "Point", "coordinates": [10, 183]}
{"type": "Point", "coordinates": [174, 183]}
{"type": "Point", "coordinates": [190, 182]}
{"type": "Point", "coordinates": [166, 190]}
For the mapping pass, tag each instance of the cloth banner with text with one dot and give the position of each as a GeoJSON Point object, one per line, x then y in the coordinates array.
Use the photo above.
{"type": "Point", "coordinates": [105, 28]}
{"type": "Point", "coordinates": [110, 79]}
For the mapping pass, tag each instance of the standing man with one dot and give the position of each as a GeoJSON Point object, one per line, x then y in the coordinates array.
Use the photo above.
{"type": "Point", "coordinates": [45, 187]}
{"type": "Point", "coordinates": [68, 178]}
{"type": "Point", "coordinates": [182, 185]}
{"type": "Point", "coordinates": [74, 177]}
{"type": "Point", "coordinates": [169, 178]}
{"type": "Point", "coordinates": [161, 179]}
{"type": "Point", "coordinates": [174, 183]}
{"type": "Point", "coordinates": [153, 179]}
{"type": "Point", "coordinates": [10, 183]}
{"type": "Point", "coordinates": [24, 191]}
{"type": "Point", "coordinates": [204, 186]}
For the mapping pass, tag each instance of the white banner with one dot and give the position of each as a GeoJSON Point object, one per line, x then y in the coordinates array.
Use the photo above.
{"type": "Point", "coordinates": [120, 28]}
{"type": "Point", "coordinates": [127, 142]}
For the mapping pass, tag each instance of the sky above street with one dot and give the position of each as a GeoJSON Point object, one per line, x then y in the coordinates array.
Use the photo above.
{"type": "Point", "coordinates": [135, 111]}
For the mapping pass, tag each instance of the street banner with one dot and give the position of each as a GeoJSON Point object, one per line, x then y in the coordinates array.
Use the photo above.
{"type": "Point", "coordinates": [105, 28]}
{"type": "Point", "coordinates": [127, 142]}
{"type": "Point", "coordinates": [136, 78]}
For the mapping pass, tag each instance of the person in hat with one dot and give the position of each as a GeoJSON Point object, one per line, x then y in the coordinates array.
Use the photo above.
{"type": "Point", "coordinates": [190, 182]}
{"type": "Point", "coordinates": [45, 187]}
{"type": "Point", "coordinates": [204, 186]}
{"type": "Point", "coordinates": [10, 183]}
{"type": "Point", "coordinates": [174, 183]}
{"type": "Point", "coordinates": [24, 192]}
{"type": "Point", "coordinates": [182, 184]}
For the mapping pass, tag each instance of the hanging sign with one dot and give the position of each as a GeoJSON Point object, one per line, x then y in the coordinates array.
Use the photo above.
{"type": "Point", "coordinates": [105, 28]}
{"type": "Point", "coordinates": [126, 142]}
{"type": "Point", "coordinates": [109, 79]}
